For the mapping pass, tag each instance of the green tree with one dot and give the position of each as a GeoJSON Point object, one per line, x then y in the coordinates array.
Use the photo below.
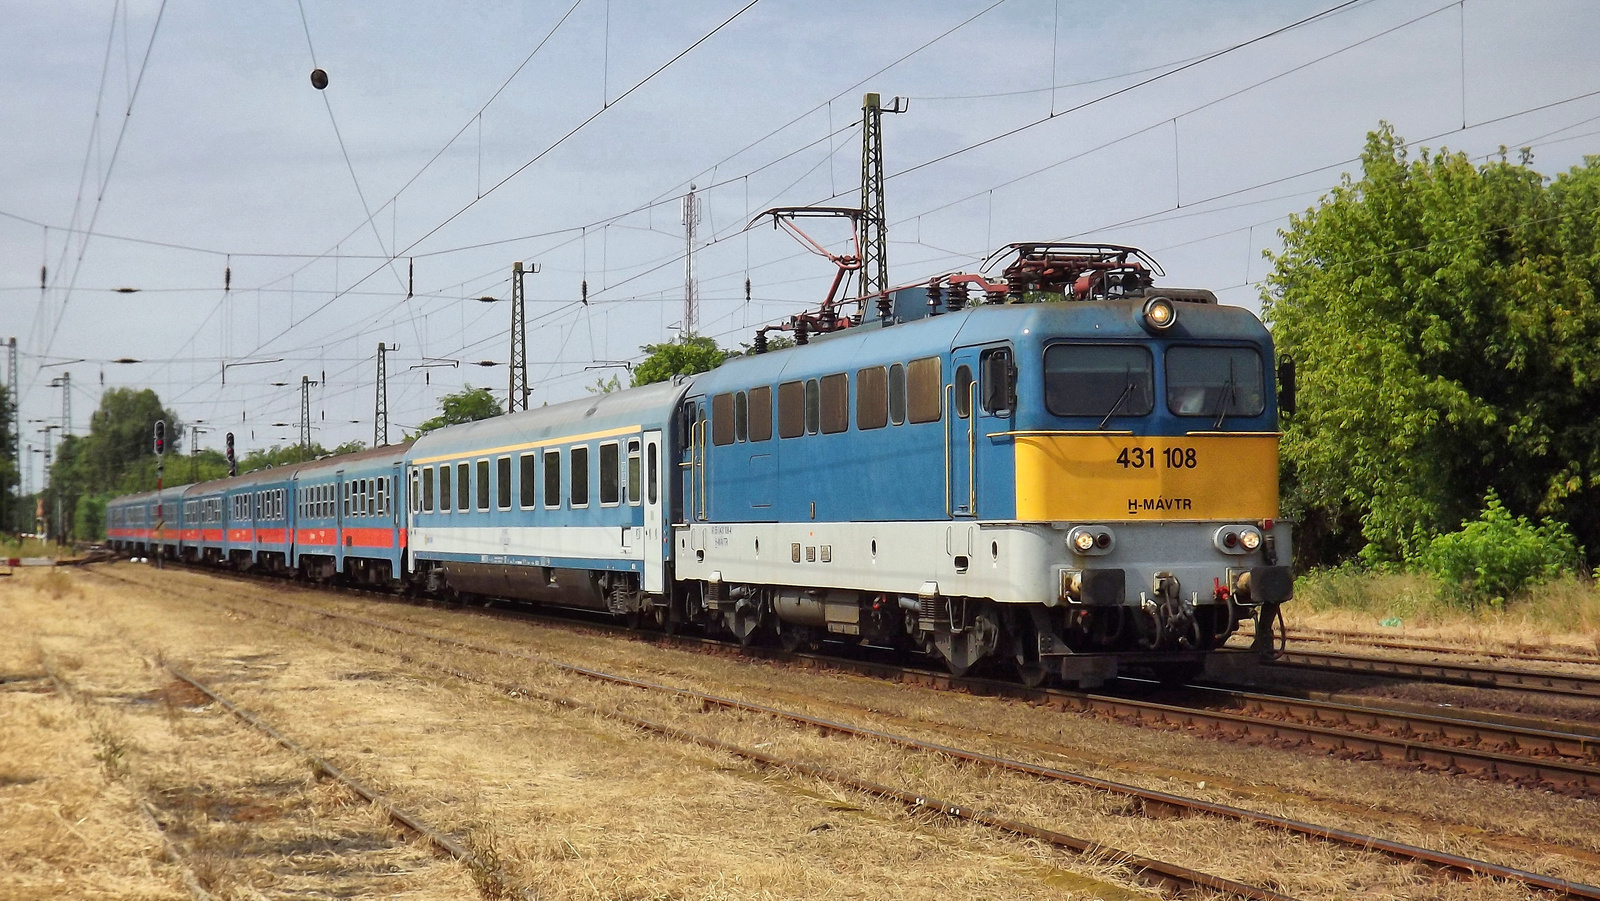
{"type": "Point", "coordinates": [116, 457]}
{"type": "Point", "coordinates": [686, 356]}
{"type": "Point", "coordinates": [1444, 322]}
{"type": "Point", "coordinates": [605, 385]}
{"type": "Point", "coordinates": [467, 405]}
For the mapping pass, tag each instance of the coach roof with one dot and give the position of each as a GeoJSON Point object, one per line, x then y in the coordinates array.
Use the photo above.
{"type": "Point", "coordinates": [577, 420]}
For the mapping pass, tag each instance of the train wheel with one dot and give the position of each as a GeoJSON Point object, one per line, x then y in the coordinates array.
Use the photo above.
{"type": "Point", "coordinates": [794, 638]}
{"type": "Point", "coordinates": [1026, 627]}
{"type": "Point", "coordinates": [962, 650]}
{"type": "Point", "coordinates": [744, 622]}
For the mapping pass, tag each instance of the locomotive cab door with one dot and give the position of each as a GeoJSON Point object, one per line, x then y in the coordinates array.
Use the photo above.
{"type": "Point", "coordinates": [655, 533]}
{"type": "Point", "coordinates": [981, 400]}
{"type": "Point", "coordinates": [961, 435]}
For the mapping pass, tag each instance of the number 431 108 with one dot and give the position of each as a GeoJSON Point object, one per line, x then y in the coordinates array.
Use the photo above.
{"type": "Point", "coordinates": [1148, 458]}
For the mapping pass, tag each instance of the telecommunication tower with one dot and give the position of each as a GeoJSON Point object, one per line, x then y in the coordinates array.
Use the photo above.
{"type": "Point", "coordinates": [691, 291]}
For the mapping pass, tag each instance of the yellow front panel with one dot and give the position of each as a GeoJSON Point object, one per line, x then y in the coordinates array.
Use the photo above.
{"type": "Point", "coordinates": [1078, 477]}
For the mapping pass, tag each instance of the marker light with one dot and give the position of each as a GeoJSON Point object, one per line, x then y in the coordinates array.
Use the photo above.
{"type": "Point", "coordinates": [1251, 539]}
{"type": "Point", "coordinates": [1159, 314]}
{"type": "Point", "coordinates": [1083, 541]}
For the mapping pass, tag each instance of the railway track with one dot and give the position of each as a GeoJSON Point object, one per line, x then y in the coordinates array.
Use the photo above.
{"type": "Point", "coordinates": [1169, 875]}
{"type": "Point", "coordinates": [1567, 684]}
{"type": "Point", "coordinates": [1544, 755]}
{"type": "Point", "coordinates": [1368, 639]}
{"type": "Point", "coordinates": [492, 880]}
{"type": "Point", "coordinates": [1443, 861]}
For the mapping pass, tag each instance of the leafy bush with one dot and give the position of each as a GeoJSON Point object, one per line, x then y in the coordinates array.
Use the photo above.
{"type": "Point", "coordinates": [1498, 555]}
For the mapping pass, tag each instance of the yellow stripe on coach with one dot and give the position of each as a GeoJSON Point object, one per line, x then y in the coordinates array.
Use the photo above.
{"type": "Point", "coordinates": [1094, 476]}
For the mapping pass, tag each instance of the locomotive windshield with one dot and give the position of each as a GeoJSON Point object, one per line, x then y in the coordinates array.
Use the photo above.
{"type": "Point", "coordinates": [1215, 382]}
{"type": "Point", "coordinates": [1100, 380]}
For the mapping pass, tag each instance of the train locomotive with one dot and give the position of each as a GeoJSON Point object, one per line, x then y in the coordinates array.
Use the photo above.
{"type": "Point", "coordinates": [1064, 472]}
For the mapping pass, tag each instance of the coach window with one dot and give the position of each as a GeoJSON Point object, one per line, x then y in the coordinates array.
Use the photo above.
{"type": "Point", "coordinates": [579, 486]}
{"type": "Point", "coordinates": [761, 413]}
{"type": "Point", "coordinates": [444, 488]}
{"type": "Point", "coordinates": [650, 478]}
{"type": "Point", "coordinates": [791, 410]}
{"type": "Point", "coordinates": [897, 394]}
{"type": "Point", "coordinates": [346, 498]}
{"type": "Point", "coordinates": [963, 391]}
{"type": "Point", "coordinates": [422, 490]}
{"type": "Point", "coordinates": [722, 420]}
{"type": "Point", "coordinates": [552, 479]}
{"type": "Point", "coordinates": [483, 484]}
{"type": "Point", "coordinates": [741, 417]}
{"type": "Point", "coordinates": [502, 497]}
{"type": "Point", "coordinates": [813, 406]}
{"type": "Point", "coordinates": [610, 487]}
{"type": "Point", "coordinates": [633, 471]}
{"type": "Point", "coordinates": [872, 398]}
{"type": "Point", "coordinates": [464, 486]}
{"type": "Point", "coordinates": [527, 465]}
{"type": "Point", "coordinates": [383, 495]}
{"type": "Point", "coordinates": [835, 403]}
{"type": "Point", "coordinates": [924, 385]}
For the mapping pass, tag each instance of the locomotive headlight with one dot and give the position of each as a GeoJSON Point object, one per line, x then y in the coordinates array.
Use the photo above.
{"type": "Point", "coordinates": [1239, 539]}
{"type": "Point", "coordinates": [1095, 540]}
{"type": "Point", "coordinates": [1159, 314]}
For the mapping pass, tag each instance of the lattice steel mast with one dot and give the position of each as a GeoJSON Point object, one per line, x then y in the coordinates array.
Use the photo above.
{"type": "Point", "coordinates": [874, 223]}
{"type": "Point", "coordinates": [691, 291]}
{"type": "Point", "coordinates": [380, 412]}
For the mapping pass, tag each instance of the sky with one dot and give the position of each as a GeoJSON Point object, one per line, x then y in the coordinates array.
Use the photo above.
{"type": "Point", "coordinates": [274, 232]}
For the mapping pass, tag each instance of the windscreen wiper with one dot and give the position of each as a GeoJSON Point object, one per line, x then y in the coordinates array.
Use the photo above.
{"type": "Point", "coordinates": [1126, 390]}
{"type": "Point", "coordinates": [1226, 400]}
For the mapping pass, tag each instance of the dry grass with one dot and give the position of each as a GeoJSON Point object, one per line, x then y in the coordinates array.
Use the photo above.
{"type": "Point", "coordinates": [583, 807]}
{"type": "Point", "coordinates": [248, 818]}
{"type": "Point", "coordinates": [28, 547]}
{"type": "Point", "coordinates": [1560, 614]}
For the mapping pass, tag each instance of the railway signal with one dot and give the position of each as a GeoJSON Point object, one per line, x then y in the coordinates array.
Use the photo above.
{"type": "Point", "coordinates": [233, 464]}
{"type": "Point", "coordinates": [161, 437]}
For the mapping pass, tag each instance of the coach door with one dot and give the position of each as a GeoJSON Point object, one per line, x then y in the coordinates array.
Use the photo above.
{"type": "Point", "coordinates": [655, 537]}
{"type": "Point", "coordinates": [693, 422]}
{"type": "Point", "coordinates": [961, 438]}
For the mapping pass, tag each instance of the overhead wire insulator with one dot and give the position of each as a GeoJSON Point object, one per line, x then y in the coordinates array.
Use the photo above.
{"type": "Point", "coordinates": [227, 279]}
{"type": "Point", "coordinates": [411, 276]}
{"type": "Point", "coordinates": [44, 273]}
{"type": "Point", "coordinates": [585, 289]}
{"type": "Point", "coordinates": [747, 289]}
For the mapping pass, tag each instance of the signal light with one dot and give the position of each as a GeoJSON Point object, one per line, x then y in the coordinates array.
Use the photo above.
{"type": "Point", "coordinates": [233, 466]}
{"type": "Point", "coordinates": [161, 437]}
